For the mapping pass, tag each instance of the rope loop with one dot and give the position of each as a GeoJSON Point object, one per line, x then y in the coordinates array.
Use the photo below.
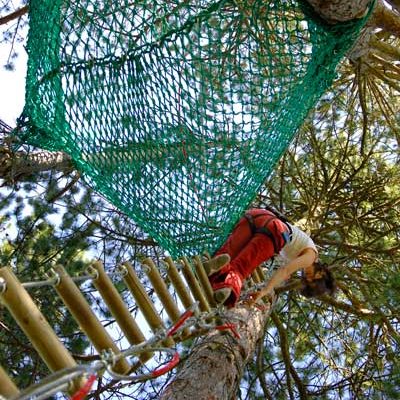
{"type": "Point", "coordinates": [153, 374]}
{"type": "Point", "coordinates": [85, 389]}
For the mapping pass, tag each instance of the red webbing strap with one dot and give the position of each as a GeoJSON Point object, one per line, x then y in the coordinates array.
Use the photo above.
{"type": "Point", "coordinates": [187, 314]}
{"type": "Point", "coordinates": [85, 389]}
{"type": "Point", "coordinates": [231, 327]}
{"type": "Point", "coordinates": [171, 364]}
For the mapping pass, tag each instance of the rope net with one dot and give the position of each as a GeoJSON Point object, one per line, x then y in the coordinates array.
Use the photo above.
{"type": "Point", "coordinates": [175, 111]}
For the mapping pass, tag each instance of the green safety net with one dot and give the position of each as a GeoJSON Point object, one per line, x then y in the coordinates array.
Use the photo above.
{"type": "Point", "coordinates": [176, 111]}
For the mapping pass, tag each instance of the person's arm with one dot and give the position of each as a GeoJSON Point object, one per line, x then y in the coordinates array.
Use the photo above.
{"type": "Point", "coordinates": [305, 261]}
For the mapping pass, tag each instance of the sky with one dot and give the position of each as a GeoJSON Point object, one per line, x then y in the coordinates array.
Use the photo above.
{"type": "Point", "coordinates": [12, 85]}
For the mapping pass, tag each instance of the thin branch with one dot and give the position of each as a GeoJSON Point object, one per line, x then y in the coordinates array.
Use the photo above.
{"type": "Point", "coordinates": [14, 15]}
{"type": "Point", "coordinates": [386, 19]}
{"type": "Point", "coordinates": [286, 356]}
{"type": "Point", "coordinates": [260, 370]}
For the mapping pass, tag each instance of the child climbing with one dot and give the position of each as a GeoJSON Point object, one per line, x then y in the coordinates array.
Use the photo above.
{"type": "Point", "coordinates": [257, 237]}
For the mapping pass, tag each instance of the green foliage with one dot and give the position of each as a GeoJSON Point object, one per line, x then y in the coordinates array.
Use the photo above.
{"type": "Point", "coordinates": [348, 198]}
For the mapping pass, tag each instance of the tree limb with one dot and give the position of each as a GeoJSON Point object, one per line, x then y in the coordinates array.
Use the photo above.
{"type": "Point", "coordinates": [14, 15]}
{"type": "Point", "coordinates": [334, 11]}
{"type": "Point", "coordinates": [384, 18]}
{"type": "Point", "coordinates": [286, 356]}
{"type": "Point", "coordinates": [15, 166]}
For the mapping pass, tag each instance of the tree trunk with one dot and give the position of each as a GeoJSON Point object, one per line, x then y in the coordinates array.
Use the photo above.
{"type": "Point", "coordinates": [14, 166]}
{"type": "Point", "coordinates": [334, 11]}
{"type": "Point", "coordinates": [214, 369]}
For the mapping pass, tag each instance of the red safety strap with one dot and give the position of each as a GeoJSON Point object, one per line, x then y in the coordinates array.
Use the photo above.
{"type": "Point", "coordinates": [231, 327]}
{"type": "Point", "coordinates": [85, 389]}
{"type": "Point", "coordinates": [187, 314]}
{"type": "Point", "coordinates": [171, 364]}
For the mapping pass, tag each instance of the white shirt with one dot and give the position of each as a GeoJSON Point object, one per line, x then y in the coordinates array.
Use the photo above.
{"type": "Point", "coordinates": [300, 241]}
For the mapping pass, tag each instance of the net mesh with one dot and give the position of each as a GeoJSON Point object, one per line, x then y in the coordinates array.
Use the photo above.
{"type": "Point", "coordinates": [176, 111]}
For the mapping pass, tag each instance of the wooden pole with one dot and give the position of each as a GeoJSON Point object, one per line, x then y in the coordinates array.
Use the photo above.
{"type": "Point", "coordinates": [7, 386]}
{"type": "Point", "coordinates": [260, 273]}
{"type": "Point", "coordinates": [178, 283]}
{"type": "Point", "coordinates": [163, 294]}
{"type": "Point", "coordinates": [33, 323]}
{"type": "Point", "coordinates": [205, 282]}
{"type": "Point", "coordinates": [143, 301]}
{"type": "Point", "coordinates": [161, 289]}
{"type": "Point", "coordinates": [255, 277]}
{"type": "Point", "coordinates": [82, 313]}
{"type": "Point", "coordinates": [194, 285]}
{"type": "Point", "coordinates": [116, 305]}
{"type": "Point", "coordinates": [118, 309]}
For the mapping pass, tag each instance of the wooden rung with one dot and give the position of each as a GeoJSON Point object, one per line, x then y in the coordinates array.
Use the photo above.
{"type": "Point", "coordinates": [118, 308]}
{"type": "Point", "coordinates": [83, 314]}
{"type": "Point", "coordinates": [33, 323]}
{"type": "Point", "coordinates": [255, 277]}
{"type": "Point", "coordinates": [203, 278]}
{"type": "Point", "coordinates": [143, 301]}
{"type": "Point", "coordinates": [116, 305]}
{"type": "Point", "coordinates": [178, 283]}
{"type": "Point", "coordinates": [161, 289]}
{"type": "Point", "coordinates": [260, 273]}
{"type": "Point", "coordinates": [194, 285]}
{"type": "Point", "coordinates": [7, 386]}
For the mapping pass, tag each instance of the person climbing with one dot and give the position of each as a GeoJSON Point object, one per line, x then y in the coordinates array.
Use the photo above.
{"type": "Point", "coordinates": [258, 236]}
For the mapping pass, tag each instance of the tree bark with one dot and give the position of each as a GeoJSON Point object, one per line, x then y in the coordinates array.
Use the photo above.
{"type": "Point", "coordinates": [334, 11]}
{"type": "Point", "coordinates": [214, 369]}
{"type": "Point", "coordinates": [15, 166]}
{"type": "Point", "coordinates": [386, 19]}
{"type": "Point", "coordinates": [14, 15]}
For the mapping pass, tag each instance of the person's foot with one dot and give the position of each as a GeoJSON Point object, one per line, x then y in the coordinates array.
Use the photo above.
{"type": "Point", "coordinates": [215, 264]}
{"type": "Point", "coordinates": [221, 295]}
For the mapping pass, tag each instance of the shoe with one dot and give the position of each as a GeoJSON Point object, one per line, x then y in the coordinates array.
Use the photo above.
{"type": "Point", "coordinates": [215, 264]}
{"type": "Point", "coordinates": [221, 295]}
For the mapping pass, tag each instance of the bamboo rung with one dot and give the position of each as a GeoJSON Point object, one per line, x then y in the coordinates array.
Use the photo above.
{"type": "Point", "coordinates": [118, 308]}
{"type": "Point", "coordinates": [205, 282]}
{"type": "Point", "coordinates": [33, 323]}
{"type": "Point", "coordinates": [162, 292]}
{"type": "Point", "coordinates": [82, 313]}
{"type": "Point", "coordinates": [178, 283]}
{"type": "Point", "coordinates": [143, 301]}
{"type": "Point", "coordinates": [260, 273]}
{"type": "Point", "coordinates": [194, 285]}
{"type": "Point", "coordinates": [256, 278]}
{"type": "Point", "coordinates": [116, 305]}
{"type": "Point", "coordinates": [161, 289]}
{"type": "Point", "coordinates": [7, 386]}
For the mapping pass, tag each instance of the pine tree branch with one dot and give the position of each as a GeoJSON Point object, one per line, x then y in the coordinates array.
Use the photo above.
{"type": "Point", "coordinates": [286, 356]}
{"type": "Point", "coordinates": [260, 370]}
{"type": "Point", "coordinates": [15, 166]}
{"type": "Point", "coordinates": [14, 15]}
{"type": "Point", "coordinates": [386, 19]}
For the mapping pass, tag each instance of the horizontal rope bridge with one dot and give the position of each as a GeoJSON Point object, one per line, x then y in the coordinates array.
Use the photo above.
{"type": "Point", "coordinates": [199, 316]}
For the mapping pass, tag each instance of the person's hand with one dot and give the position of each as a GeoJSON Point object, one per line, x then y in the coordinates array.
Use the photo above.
{"type": "Point", "coordinates": [254, 297]}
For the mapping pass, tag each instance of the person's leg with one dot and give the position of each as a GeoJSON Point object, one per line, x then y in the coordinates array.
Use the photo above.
{"type": "Point", "coordinates": [254, 250]}
{"type": "Point", "coordinates": [259, 249]}
{"type": "Point", "coordinates": [239, 237]}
